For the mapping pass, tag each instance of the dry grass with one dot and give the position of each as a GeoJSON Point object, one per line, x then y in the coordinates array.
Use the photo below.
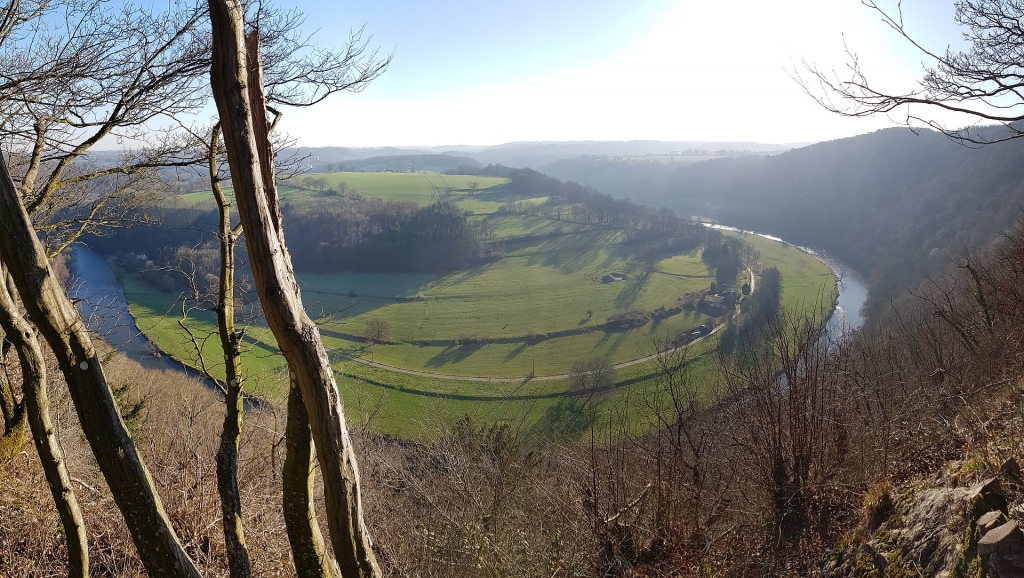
{"type": "Point", "coordinates": [476, 502]}
{"type": "Point", "coordinates": [177, 431]}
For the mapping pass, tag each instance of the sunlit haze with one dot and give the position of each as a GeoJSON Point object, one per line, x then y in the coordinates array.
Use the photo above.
{"type": "Point", "coordinates": [479, 73]}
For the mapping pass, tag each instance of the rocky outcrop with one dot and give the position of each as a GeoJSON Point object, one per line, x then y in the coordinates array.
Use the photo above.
{"type": "Point", "coordinates": [1003, 550]}
{"type": "Point", "coordinates": [940, 529]}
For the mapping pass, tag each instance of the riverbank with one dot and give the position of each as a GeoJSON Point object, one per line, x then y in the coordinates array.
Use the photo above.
{"type": "Point", "coordinates": [850, 287]}
{"type": "Point", "coordinates": [100, 298]}
{"type": "Point", "coordinates": [408, 398]}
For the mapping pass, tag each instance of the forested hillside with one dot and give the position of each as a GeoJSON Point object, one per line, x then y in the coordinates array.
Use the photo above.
{"type": "Point", "coordinates": [894, 204]}
{"type": "Point", "coordinates": [402, 163]}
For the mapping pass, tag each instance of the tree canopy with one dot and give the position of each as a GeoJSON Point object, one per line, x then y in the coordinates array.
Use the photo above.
{"type": "Point", "coordinates": [981, 83]}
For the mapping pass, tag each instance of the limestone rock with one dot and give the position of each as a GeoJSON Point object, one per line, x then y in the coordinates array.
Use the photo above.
{"type": "Point", "coordinates": [986, 488]}
{"type": "Point", "coordinates": [990, 520]}
{"type": "Point", "coordinates": [1004, 548]}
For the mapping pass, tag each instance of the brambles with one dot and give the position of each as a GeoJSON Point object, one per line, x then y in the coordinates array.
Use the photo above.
{"type": "Point", "coordinates": [628, 319]}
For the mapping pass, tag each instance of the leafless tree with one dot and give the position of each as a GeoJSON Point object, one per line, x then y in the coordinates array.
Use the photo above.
{"type": "Point", "coordinates": [294, 76]}
{"type": "Point", "coordinates": [115, 451]}
{"type": "Point", "coordinates": [686, 431]}
{"type": "Point", "coordinates": [129, 72]}
{"type": "Point", "coordinates": [786, 400]}
{"type": "Point", "coordinates": [37, 408]}
{"type": "Point", "coordinates": [237, 81]}
{"type": "Point", "coordinates": [591, 376]}
{"type": "Point", "coordinates": [983, 82]}
{"type": "Point", "coordinates": [129, 75]}
{"type": "Point", "coordinates": [64, 90]}
{"type": "Point", "coordinates": [377, 330]}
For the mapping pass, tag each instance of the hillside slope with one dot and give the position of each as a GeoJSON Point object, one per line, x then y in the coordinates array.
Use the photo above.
{"type": "Point", "coordinates": [894, 204]}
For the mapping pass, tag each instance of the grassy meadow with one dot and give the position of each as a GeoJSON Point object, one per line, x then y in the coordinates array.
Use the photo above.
{"type": "Point", "coordinates": [419, 188]}
{"type": "Point", "coordinates": [533, 313]}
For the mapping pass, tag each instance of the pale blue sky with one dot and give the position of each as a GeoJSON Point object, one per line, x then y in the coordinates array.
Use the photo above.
{"type": "Point", "coordinates": [448, 45]}
{"type": "Point", "coordinates": [489, 72]}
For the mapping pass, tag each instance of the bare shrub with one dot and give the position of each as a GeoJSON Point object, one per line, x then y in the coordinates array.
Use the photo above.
{"type": "Point", "coordinates": [787, 403]}
{"type": "Point", "coordinates": [477, 501]}
{"type": "Point", "coordinates": [628, 319]}
{"type": "Point", "coordinates": [473, 339]}
{"type": "Point", "coordinates": [591, 376]}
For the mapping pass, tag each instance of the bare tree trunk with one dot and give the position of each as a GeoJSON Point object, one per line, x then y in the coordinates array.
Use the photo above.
{"type": "Point", "coordinates": [12, 437]}
{"type": "Point", "coordinates": [59, 322]}
{"type": "Point", "coordinates": [307, 542]}
{"type": "Point", "coordinates": [37, 407]}
{"type": "Point", "coordinates": [227, 454]}
{"type": "Point", "coordinates": [238, 93]}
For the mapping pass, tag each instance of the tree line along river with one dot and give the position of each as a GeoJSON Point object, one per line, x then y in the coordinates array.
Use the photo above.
{"type": "Point", "coordinates": [103, 305]}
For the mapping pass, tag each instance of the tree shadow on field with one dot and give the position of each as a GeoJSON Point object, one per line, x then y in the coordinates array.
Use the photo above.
{"type": "Point", "coordinates": [256, 343]}
{"type": "Point", "coordinates": [515, 352]}
{"type": "Point", "coordinates": [620, 336]}
{"type": "Point", "coordinates": [568, 252]}
{"type": "Point", "coordinates": [502, 193]}
{"type": "Point", "coordinates": [631, 292]}
{"type": "Point", "coordinates": [453, 354]}
{"type": "Point", "coordinates": [467, 274]}
{"type": "Point", "coordinates": [656, 323]}
{"type": "Point", "coordinates": [566, 420]}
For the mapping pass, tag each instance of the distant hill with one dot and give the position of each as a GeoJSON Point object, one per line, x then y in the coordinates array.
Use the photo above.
{"type": "Point", "coordinates": [534, 155]}
{"type": "Point", "coordinates": [893, 204]}
{"type": "Point", "coordinates": [537, 155]}
{"type": "Point", "coordinates": [543, 156]}
{"type": "Point", "coordinates": [317, 159]}
{"type": "Point", "coordinates": [616, 175]}
{"type": "Point", "coordinates": [402, 163]}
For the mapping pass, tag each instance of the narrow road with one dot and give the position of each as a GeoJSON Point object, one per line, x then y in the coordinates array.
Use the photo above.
{"type": "Point", "coordinates": [520, 379]}
{"type": "Point", "coordinates": [507, 379]}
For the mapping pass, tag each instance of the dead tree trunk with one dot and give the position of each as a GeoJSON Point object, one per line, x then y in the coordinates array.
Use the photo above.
{"type": "Point", "coordinates": [307, 542]}
{"type": "Point", "coordinates": [37, 407]}
{"type": "Point", "coordinates": [238, 92]}
{"type": "Point", "coordinates": [59, 322]}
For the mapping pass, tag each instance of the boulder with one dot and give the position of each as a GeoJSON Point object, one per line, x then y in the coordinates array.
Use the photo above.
{"type": "Point", "coordinates": [1003, 547]}
{"type": "Point", "coordinates": [986, 488]}
{"type": "Point", "coordinates": [989, 520]}
{"type": "Point", "coordinates": [985, 496]}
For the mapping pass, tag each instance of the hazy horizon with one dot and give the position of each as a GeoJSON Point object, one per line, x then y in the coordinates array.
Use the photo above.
{"type": "Point", "coordinates": [481, 75]}
{"type": "Point", "coordinates": [435, 147]}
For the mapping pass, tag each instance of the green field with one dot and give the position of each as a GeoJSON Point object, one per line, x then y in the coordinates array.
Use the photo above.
{"type": "Point", "coordinates": [542, 286]}
{"type": "Point", "coordinates": [528, 315]}
{"type": "Point", "coordinates": [419, 188]}
{"type": "Point", "coordinates": [807, 283]}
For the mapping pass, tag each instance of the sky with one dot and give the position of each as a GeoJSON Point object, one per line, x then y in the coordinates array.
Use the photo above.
{"type": "Point", "coordinates": [483, 73]}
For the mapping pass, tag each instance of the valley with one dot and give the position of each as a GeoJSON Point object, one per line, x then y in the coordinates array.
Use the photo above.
{"type": "Point", "coordinates": [399, 289]}
{"type": "Point", "coordinates": [497, 339]}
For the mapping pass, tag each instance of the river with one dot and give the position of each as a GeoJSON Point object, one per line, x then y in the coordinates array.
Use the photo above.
{"type": "Point", "coordinates": [853, 293]}
{"type": "Point", "coordinates": [102, 304]}
{"type": "Point", "coordinates": [853, 288]}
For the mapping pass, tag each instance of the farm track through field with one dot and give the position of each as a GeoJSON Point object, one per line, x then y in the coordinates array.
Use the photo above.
{"type": "Point", "coordinates": [348, 357]}
{"type": "Point", "coordinates": [680, 275]}
{"type": "Point", "coordinates": [523, 379]}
